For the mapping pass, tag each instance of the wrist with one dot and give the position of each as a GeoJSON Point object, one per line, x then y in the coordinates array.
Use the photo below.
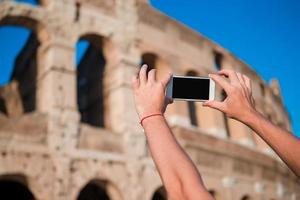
{"type": "Point", "coordinates": [146, 113]}
{"type": "Point", "coordinates": [148, 119]}
{"type": "Point", "coordinates": [251, 116]}
{"type": "Point", "coordinates": [150, 115]}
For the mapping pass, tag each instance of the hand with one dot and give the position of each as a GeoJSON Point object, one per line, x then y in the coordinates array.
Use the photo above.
{"type": "Point", "coordinates": [149, 94]}
{"type": "Point", "coordinates": [239, 103]}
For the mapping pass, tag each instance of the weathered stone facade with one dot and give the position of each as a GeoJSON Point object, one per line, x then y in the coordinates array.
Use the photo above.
{"type": "Point", "coordinates": [45, 146]}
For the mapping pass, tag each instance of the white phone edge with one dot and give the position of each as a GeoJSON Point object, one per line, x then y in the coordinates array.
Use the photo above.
{"type": "Point", "coordinates": [212, 86]}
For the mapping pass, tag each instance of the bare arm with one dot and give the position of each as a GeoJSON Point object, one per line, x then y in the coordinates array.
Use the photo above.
{"type": "Point", "coordinates": [239, 104]}
{"type": "Point", "coordinates": [284, 143]}
{"type": "Point", "coordinates": [178, 173]}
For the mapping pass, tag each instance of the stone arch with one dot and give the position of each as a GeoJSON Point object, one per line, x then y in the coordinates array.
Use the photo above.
{"type": "Point", "coordinates": [87, 31]}
{"type": "Point", "coordinates": [25, 67]}
{"type": "Point", "coordinates": [24, 21]}
{"type": "Point", "coordinates": [99, 190]}
{"type": "Point", "coordinates": [14, 186]}
{"type": "Point", "coordinates": [19, 15]}
{"type": "Point", "coordinates": [38, 177]}
{"type": "Point", "coordinates": [160, 194]}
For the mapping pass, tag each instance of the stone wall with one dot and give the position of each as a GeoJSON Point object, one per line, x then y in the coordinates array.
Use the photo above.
{"type": "Point", "coordinates": [59, 155]}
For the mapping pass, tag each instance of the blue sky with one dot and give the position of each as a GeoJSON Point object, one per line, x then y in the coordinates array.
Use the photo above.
{"type": "Point", "coordinates": [263, 33]}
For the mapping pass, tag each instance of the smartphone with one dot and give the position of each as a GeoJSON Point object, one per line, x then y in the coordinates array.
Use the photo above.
{"type": "Point", "coordinates": [191, 88]}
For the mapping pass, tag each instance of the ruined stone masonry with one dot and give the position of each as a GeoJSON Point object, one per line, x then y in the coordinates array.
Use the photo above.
{"type": "Point", "coordinates": [69, 130]}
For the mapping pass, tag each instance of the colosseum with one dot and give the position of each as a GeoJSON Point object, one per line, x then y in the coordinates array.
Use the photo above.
{"type": "Point", "coordinates": [69, 130]}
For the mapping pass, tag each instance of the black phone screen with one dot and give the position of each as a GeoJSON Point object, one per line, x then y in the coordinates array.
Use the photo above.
{"type": "Point", "coordinates": [190, 88]}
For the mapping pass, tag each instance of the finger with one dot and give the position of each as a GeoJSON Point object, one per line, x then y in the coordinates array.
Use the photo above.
{"type": "Point", "coordinates": [215, 104]}
{"type": "Point", "coordinates": [143, 74]}
{"type": "Point", "coordinates": [166, 80]}
{"type": "Point", "coordinates": [253, 101]}
{"type": "Point", "coordinates": [135, 83]}
{"type": "Point", "coordinates": [241, 80]}
{"type": "Point", "coordinates": [240, 77]}
{"type": "Point", "coordinates": [152, 76]}
{"type": "Point", "coordinates": [221, 81]}
{"type": "Point", "coordinates": [230, 74]}
{"type": "Point", "coordinates": [248, 82]}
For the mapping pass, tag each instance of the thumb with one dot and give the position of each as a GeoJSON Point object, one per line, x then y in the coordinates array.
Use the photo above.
{"type": "Point", "coordinates": [215, 104]}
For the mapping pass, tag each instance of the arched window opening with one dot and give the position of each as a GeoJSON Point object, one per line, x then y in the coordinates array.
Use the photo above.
{"type": "Point", "coordinates": [2, 106]}
{"type": "Point", "coordinates": [262, 89]}
{"type": "Point", "coordinates": [90, 69]}
{"type": "Point", "coordinates": [160, 194]}
{"type": "Point", "coordinates": [280, 124]}
{"type": "Point", "coordinates": [246, 197]}
{"type": "Point", "coordinates": [11, 189]}
{"type": "Point", "coordinates": [226, 123]}
{"type": "Point", "coordinates": [149, 59]}
{"type": "Point", "coordinates": [218, 57]}
{"type": "Point", "coordinates": [32, 2]}
{"type": "Point", "coordinates": [18, 52]}
{"type": "Point", "coordinates": [192, 109]}
{"type": "Point", "coordinates": [94, 190]}
{"type": "Point", "coordinates": [25, 73]}
{"type": "Point", "coordinates": [77, 11]}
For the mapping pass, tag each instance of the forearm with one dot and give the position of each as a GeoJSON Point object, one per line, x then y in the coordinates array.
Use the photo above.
{"type": "Point", "coordinates": [285, 144]}
{"type": "Point", "coordinates": [177, 171]}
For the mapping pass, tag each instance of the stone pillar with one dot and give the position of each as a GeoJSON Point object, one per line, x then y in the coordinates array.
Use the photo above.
{"type": "Point", "coordinates": [56, 92]}
{"type": "Point", "coordinates": [120, 117]}
{"type": "Point", "coordinates": [56, 77]}
{"type": "Point", "coordinates": [13, 101]}
{"type": "Point", "coordinates": [56, 96]}
{"type": "Point", "coordinates": [123, 59]}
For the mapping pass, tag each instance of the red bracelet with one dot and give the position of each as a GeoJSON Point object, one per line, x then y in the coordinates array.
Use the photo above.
{"type": "Point", "coordinates": [152, 115]}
